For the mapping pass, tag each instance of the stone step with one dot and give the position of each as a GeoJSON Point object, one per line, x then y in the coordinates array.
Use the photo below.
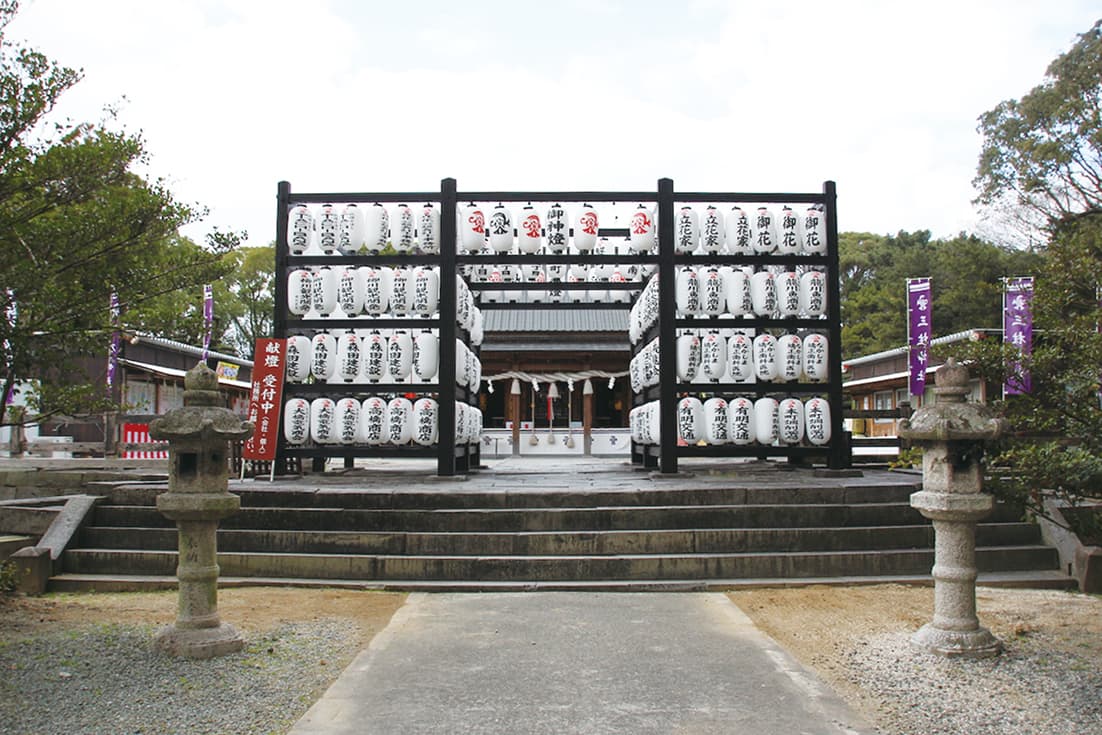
{"type": "Point", "coordinates": [70, 582]}
{"type": "Point", "coordinates": [482, 520]}
{"type": "Point", "coordinates": [600, 543]}
{"type": "Point", "coordinates": [561, 568]}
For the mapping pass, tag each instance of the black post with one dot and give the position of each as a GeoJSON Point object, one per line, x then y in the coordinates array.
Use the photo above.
{"type": "Point", "coordinates": [667, 336]}
{"type": "Point", "coordinates": [445, 458]}
{"type": "Point", "coordinates": [839, 450]}
{"type": "Point", "coordinates": [279, 319]}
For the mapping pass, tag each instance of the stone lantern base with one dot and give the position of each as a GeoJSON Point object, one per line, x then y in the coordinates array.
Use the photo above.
{"type": "Point", "coordinates": [978, 643]}
{"type": "Point", "coordinates": [198, 642]}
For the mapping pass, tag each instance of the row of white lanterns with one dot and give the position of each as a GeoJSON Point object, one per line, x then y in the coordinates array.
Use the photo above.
{"type": "Point", "coordinates": [711, 356]}
{"type": "Point", "coordinates": [739, 421]}
{"type": "Point", "coordinates": [770, 292]}
{"type": "Point", "coordinates": [370, 228]}
{"type": "Point", "coordinates": [375, 421]}
{"type": "Point", "coordinates": [741, 231]}
{"type": "Point", "coordinates": [378, 356]}
{"type": "Point", "coordinates": [551, 283]}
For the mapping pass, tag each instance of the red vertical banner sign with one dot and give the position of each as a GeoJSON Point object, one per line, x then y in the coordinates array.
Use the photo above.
{"type": "Point", "coordinates": [266, 399]}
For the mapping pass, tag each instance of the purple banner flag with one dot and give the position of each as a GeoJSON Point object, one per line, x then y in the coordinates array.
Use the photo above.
{"type": "Point", "coordinates": [113, 349]}
{"type": "Point", "coordinates": [208, 317]}
{"type": "Point", "coordinates": [1018, 329]}
{"type": "Point", "coordinates": [919, 329]}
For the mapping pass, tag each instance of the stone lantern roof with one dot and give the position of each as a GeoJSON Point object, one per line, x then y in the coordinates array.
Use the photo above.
{"type": "Point", "coordinates": [951, 418]}
{"type": "Point", "coordinates": [202, 416]}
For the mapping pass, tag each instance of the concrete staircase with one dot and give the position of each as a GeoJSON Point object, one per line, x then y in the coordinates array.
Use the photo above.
{"type": "Point", "coordinates": [526, 532]}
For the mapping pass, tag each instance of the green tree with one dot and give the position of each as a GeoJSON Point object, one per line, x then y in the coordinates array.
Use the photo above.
{"type": "Point", "coordinates": [76, 223]}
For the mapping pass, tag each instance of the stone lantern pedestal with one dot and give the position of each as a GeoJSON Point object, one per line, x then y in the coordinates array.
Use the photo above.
{"type": "Point", "coordinates": [951, 433]}
{"type": "Point", "coordinates": [197, 499]}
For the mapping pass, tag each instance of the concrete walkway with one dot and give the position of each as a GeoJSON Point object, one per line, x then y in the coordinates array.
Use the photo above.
{"type": "Point", "coordinates": [564, 662]}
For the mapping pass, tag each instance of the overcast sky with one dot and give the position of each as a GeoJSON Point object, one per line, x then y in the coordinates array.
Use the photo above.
{"type": "Point", "coordinates": [339, 95]}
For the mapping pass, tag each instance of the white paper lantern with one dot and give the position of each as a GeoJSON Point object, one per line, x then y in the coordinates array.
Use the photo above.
{"type": "Point", "coordinates": [737, 300]}
{"type": "Point", "coordinates": [713, 292]}
{"type": "Point", "coordinates": [349, 357]}
{"type": "Point", "coordinates": [323, 353]}
{"type": "Point", "coordinates": [558, 229]}
{"type": "Point", "coordinates": [426, 421]}
{"type": "Point", "coordinates": [597, 274]}
{"type": "Point", "coordinates": [512, 274]}
{"type": "Point", "coordinates": [300, 229]}
{"type": "Point", "coordinates": [348, 421]}
{"type": "Point", "coordinates": [717, 426]}
{"type": "Point", "coordinates": [652, 363]}
{"type": "Point", "coordinates": [742, 428]}
{"type": "Point", "coordinates": [813, 294]}
{"type": "Point", "coordinates": [376, 289]}
{"type": "Point", "coordinates": [713, 356]}
{"type": "Point", "coordinates": [500, 229]}
{"type": "Point", "coordinates": [585, 232]}
{"type": "Point", "coordinates": [461, 434]}
{"type": "Point", "coordinates": [373, 421]}
{"type": "Point", "coordinates": [533, 273]}
{"type": "Point", "coordinates": [329, 225]}
{"type": "Point", "coordinates": [687, 291]}
{"type": "Point", "coordinates": [325, 291]}
{"type": "Point", "coordinates": [641, 232]}
{"type": "Point", "coordinates": [323, 421]}
{"type": "Point", "coordinates": [300, 291]}
{"type": "Point", "coordinates": [654, 422]}
{"type": "Point", "coordinates": [399, 356]}
{"type": "Point", "coordinates": [687, 235]}
{"type": "Point", "coordinates": [764, 228]}
{"type": "Point", "coordinates": [299, 355]}
{"type": "Point", "coordinates": [814, 232]}
{"type": "Point", "coordinates": [477, 328]}
{"type": "Point", "coordinates": [688, 357]}
{"type": "Point", "coordinates": [763, 293]}
{"type": "Point", "coordinates": [740, 236]}
{"type": "Point", "coordinates": [401, 229]}
{"type": "Point", "coordinates": [530, 231]}
{"type": "Point", "coordinates": [296, 421]}
{"type": "Point", "coordinates": [815, 357]}
{"type": "Point", "coordinates": [817, 421]}
{"type": "Point", "coordinates": [462, 364]}
{"type": "Point", "coordinates": [713, 232]}
{"type": "Point", "coordinates": [474, 372]}
{"type": "Point", "coordinates": [690, 420]}
{"type": "Point", "coordinates": [789, 357]}
{"type": "Point", "coordinates": [426, 290]}
{"type": "Point", "coordinates": [788, 293]}
{"type": "Point", "coordinates": [428, 229]}
{"type": "Point", "coordinates": [399, 421]}
{"type": "Point", "coordinates": [472, 228]}
{"type": "Point", "coordinates": [376, 226]}
{"type": "Point", "coordinates": [765, 420]}
{"type": "Point", "coordinates": [375, 357]}
{"type": "Point", "coordinates": [350, 291]}
{"type": "Point", "coordinates": [353, 230]}
{"type": "Point", "coordinates": [765, 357]}
{"type": "Point", "coordinates": [635, 374]}
{"type": "Point", "coordinates": [401, 291]}
{"type": "Point", "coordinates": [740, 362]}
{"type": "Point", "coordinates": [789, 242]}
{"type": "Point", "coordinates": [426, 355]}
{"type": "Point", "coordinates": [790, 421]}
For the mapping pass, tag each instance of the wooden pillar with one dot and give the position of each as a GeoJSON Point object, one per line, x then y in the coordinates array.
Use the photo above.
{"type": "Point", "coordinates": [587, 417]}
{"type": "Point", "coordinates": [513, 412]}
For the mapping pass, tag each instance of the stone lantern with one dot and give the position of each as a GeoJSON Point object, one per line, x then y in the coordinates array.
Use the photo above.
{"type": "Point", "coordinates": [197, 499]}
{"type": "Point", "coordinates": [951, 433]}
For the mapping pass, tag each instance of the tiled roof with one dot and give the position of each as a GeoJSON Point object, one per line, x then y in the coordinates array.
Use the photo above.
{"type": "Point", "coordinates": [566, 320]}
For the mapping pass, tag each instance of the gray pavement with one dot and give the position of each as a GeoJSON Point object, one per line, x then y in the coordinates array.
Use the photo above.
{"type": "Point", "coordinates": [564, 662]}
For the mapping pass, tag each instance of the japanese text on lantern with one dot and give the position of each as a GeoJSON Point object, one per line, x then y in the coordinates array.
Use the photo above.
{"type": "Point", "coordinates": [265, 398]}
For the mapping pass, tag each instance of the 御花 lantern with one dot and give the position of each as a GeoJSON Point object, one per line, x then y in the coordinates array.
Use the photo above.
{"type": "Point", "coordinates": [558, 229]}
{"type": "Point", "coordinates": [325, 290]}
{"type": "Point", "coordinates": [426, 290]}
{"type": "Point", "coordinates": [716, 421]}
{"type": "Point", "coordinates": [376, 225]}
{"type": "Point", "coordinates": [349, 356]}
{"type": "Point", "coordinates": [300, 229]}
{"type": "Point", "coordinates": [323, 420]}
{"type": "Point", "coordinates": [428, 229]}
{"type": "Point", "coordinates": [298, 358]}
{"type": "Point", "coordinates": [740, 363]}
{"type": "Point", "coordinates": [738, 301]}
{"type": "Point", "coordinates": [789, 357]}
{"type": "Point", "coordinates": [373, 421]}
{"type": "Point", "coordinates": [788, 293]}
{"type": "Point", "coordinates": [765, 420]}
{"type": "Point", "coordinates": [352, 231]}
{"type": "Point", "coordinates": [329, 225]}
{"type": "Point", "coordinates": [399, 421]}
{"type": "Point", "coordinates": [300, 291]}
{"type": "Point", "coordinates": [713, 356]}
{"type": "Point", "coordinates": [350, 291]}
{"type": "Point", "coordinates": [426, 421]}
{"type": "Point", "coordinates": [817, 421]}
{"type": "Point", "coordinates": [500, 229]}
{"type": "Point", "coordinates": [585, 231]}
{"type": "Point", "coordinates": [815, 360]}
{"type": "Point", "coordinates": [401, 229]}
{"type": "Point", "coordinates": [323, 351]}
{"type": "Point", "coordinates": [296, 421]}
{"type": "Point", "coordinates": [687, 234]}
{"type": "Point", "coordinates": [765, 357]}
{"type": "Point", "coordinates": [763, 293]}
{"type": "Point", "coordinates": [742, 428]}
{"type": "Point", "coordinates": [788, 242]}
{"type": "Point", "coordinates": [472, 228]}
{"type": "Point", "coordinates": [401, 290]}
{"type": "Point", "coordinates": [348, 421]}
{"type": "Point", "coordinates": [740, 238]}
{"type": "Point", "coordinates": [790, 421]}
{"type": "Point", "coordinates": [375, 357]}
{"type": "Point", "coordinates": [690, 420]}
{"type": "Point", "coordinates": [530, 231]}
{"type": "Point", "coordinates": [813, 294]}
{"type": "Point", "coordinates": [641, 231]}
{"type": "Point", "coordinates": [687, 291]}
{"type": "Point", "coordinates": [763, 227]}
{"type": "Point", "coordinates": [713, 235]}
{"type": "Point", "coordinates": [688, 356]}
{"type": "Point", "coordinates": [814, 231]}
{"type": "Point", "coordinates": [399, 355]}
